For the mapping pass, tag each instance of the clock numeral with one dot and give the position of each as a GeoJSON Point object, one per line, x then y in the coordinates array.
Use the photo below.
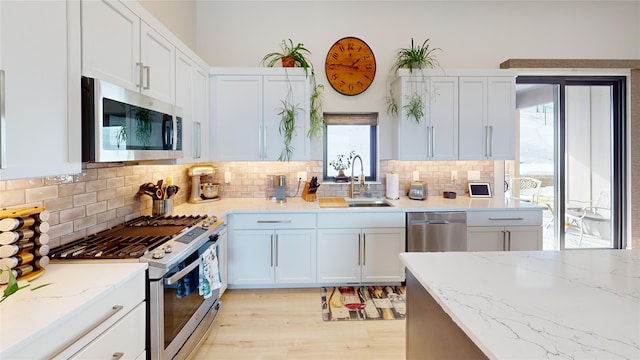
{"type": "Point", "coordinates": [350, 46]}
{"type": "Point", "coordinates": [369, 66]}
{"type": "Point", "coordinates": [360, 84]}
{"type": "Point", "coordinates": [367, 77]}
{"type": "Point", "coordinates": [332, 66]}
{"type": "Point", "coordinates": [341, 48]}
{"type": "Point", "coordinates": [350, 87]}
{"type": "Point", "coordinates": [366, 57]}
{"type": "Point", "coordinates": [335, 56]}
{"type": "Point", "coordinates": [334, 76]}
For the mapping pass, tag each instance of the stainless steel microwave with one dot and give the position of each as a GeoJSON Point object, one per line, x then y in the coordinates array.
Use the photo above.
{"type": "Point", "coordinates": [122, 125]}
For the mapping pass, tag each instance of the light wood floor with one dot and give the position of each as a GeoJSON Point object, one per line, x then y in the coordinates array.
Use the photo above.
{"type": "Point", "coordinates": [287, 324]}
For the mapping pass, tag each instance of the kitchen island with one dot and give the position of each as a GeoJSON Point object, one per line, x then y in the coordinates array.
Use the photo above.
{"type": "Point", "coordinates": [574, 304]}
{"type": "Point", "coordinates": [62, 312]}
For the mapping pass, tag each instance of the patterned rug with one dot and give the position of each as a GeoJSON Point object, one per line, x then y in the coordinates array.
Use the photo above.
{"type": "Point", "coordinates": [363, 303]}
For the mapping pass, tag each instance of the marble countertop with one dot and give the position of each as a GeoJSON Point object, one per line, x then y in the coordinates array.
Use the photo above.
{"type": "Point", "coordinates": [27, 314]}
{"type": "Point", "coordinates": [463, 203]}
{"type": "Point", "coordinates": [572, 304]}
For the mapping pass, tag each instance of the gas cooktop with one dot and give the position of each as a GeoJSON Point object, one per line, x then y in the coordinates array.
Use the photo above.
{"type": "Point", "coordinates": [130, 240]}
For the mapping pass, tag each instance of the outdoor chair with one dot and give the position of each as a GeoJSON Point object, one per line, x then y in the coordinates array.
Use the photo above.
{"type": "Point", "coordinates": [598, 211]}
{"type": "Point", "coordinates": [527, 188]}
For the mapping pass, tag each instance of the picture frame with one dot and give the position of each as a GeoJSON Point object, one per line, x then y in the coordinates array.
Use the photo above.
{"type": "Point", "coordinates": [479, 190]}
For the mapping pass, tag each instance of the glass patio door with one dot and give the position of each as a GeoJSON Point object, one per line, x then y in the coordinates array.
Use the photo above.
{"type": "Point", "coordinates": [571, 141]}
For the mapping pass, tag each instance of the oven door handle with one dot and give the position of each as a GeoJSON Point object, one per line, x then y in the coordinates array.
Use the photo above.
{"type": "Point", "coordinates": [182, 273]}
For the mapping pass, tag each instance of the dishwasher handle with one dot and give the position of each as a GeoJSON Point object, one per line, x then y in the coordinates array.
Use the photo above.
{"type": "Point", "coordinates": [436, 222]}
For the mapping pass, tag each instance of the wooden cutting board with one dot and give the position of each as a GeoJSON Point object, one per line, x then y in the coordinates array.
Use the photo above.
{"type": "Point", "coordinates": [333, 202]}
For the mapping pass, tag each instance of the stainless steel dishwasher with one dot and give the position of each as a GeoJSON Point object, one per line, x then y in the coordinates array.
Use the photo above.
{"type": "Point", "coordinates": [436, 231]}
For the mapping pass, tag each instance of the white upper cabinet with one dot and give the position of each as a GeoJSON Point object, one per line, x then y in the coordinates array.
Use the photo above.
{"type": "Point", "coordinates": [487, 118]}
{"type": "Point", "coordinates": [117, 46]}
{"type": "Point", "coordinates": [246, 104]}
{"type": "Point", "coordinates": [237, 117]}
{"type": "Point", "coordinates": [192, 95]}
{"type": "Point", "coordinates": [40, 57]}
{"type": "Point", "coordinates": [435, 136]}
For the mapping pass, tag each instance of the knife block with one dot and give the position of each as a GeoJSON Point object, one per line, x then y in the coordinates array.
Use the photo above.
{"type": "Point", "coordinates": [306, 195]}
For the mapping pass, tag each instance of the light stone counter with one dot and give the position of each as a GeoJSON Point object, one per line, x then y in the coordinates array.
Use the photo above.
{"type": "Point", "coordinates": [237, 205]}
{"type": "Point", "coordinates": [579, 304]}
{"type": "Point", "coordinates": [26, 315]}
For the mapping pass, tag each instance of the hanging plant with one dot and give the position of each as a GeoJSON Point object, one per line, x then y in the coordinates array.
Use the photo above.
{"type": "Point", "coordinates": [287, 127]}
{"type": "Point", "coordinates": [415, 57]}
{"type": "Point", "coordinates": [415, 107]}
{"type": "Point", "coordinates": [299, 54]}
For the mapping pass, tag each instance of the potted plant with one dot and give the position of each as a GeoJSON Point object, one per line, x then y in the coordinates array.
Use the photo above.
{"type": "Point", "coordinates": [342, 163]}
{"type": "Point", "coordinates": [297, 56]}
{"type": "Point", "coordinates": [416, 57]}
{"type": "Point", "coordinates": [290, 56]}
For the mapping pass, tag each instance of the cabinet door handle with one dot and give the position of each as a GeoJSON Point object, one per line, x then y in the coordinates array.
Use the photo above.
{"type": "Point", "coordinates": [260, 141]}
{"type": "Point", "coordinates": [504, 240]}
{"type": "Point", "coordinates": [274, 221]}
{"type": "Point", "coordinates": [486, 141]}
{"type": "Point", "coordinates": [364, 249]}
{"type": "Point", "coordinates": [433, 136]}
{"type": "Point", "coordinates": [117, 355]}
{"type": "Point", "coordinates": [507, 219]}
{"type": "Point", "coordinates": [140, 79]}
{"type": "Point", "coordinates": [276, 250]}
{"type": "Point", "coordinates": [146, 69]}
{"type": "Point", "coordinates": [490, 140]}
{"type": "Point", "coordinates": [509, 241]}
{"type": "Point", "coordinates": [271, 247]}
{"type": "Point", "coordinates": [264, 141]}
{"type": "Point", "coordinates": [114, 310]}
{"type": "Point", "coordinates": [197, 140]}
{"type": "Point", "coordinates": [358, 249]}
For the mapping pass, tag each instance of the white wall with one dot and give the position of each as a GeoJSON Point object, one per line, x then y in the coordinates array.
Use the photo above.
{"type": "Point", "coordinates": [471, 34]}
{"type": "Point", "coordinates": [179, 16]}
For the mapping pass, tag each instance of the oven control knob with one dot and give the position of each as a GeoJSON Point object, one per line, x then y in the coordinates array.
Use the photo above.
{"type": "Point", "coordinates": [158, 254]}
{"type": "Point", "coordinates": [168, 249]}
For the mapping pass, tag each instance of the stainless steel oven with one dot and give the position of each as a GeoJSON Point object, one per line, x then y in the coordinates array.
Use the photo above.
{"type": "Point", "coordinates": [179, 315]}
{"type": "Point", "coordinates": [173, 247]}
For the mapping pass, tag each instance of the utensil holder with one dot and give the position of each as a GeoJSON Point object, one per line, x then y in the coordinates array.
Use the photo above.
{"type": "Point", "coordinates": [162, 207]}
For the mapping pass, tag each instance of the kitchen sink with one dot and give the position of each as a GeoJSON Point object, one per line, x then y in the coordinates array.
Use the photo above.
{"type": "Point", "coordinates": [368, 202]}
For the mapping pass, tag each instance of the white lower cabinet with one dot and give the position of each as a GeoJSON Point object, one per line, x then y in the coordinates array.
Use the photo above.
{"type": "Point", "coordinates": [362, 254]}
{"type": "Point", "coordinates": [498, 238]}
{"type": "Point", "coordinates": [504, 231]}
{"type": "Point", "coordinates": [124, 340]}
{"type": "Point", "coordinates": [278, 250]}
{"type": "Point", "coordinates": [111, 327]}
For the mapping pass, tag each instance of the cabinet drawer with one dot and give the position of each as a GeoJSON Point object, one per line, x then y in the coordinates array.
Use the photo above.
{"type": "Point", "coordinates": [273, 221]}
{"type": "Point", "coordinates": [504, 218]}
{"type": "Point", "coordinates": [126, 337]}
{"type": "Point", "coordinates": [361, 220]}
{"type": "Point", "coordinates": [92, 320]}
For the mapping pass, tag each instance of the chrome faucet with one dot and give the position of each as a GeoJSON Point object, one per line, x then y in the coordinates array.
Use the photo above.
{"type": "Point", "coordinates": [353, 192]}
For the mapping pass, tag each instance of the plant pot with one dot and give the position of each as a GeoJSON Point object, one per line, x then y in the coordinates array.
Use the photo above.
{"type": "Point", "coordinates": [288, 61]}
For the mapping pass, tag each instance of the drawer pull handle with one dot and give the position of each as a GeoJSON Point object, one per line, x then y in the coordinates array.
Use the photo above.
{"type": "Point", "coordinates": [114, 310]}
{"type": "Point", "coordinates": [117, 355]}
{"type": "Point", "coordinates": [274, 221]}
{"type": "Point", "coordinates": [509, 219]}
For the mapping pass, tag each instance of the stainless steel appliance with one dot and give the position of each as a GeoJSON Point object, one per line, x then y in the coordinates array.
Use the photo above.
{"type": "Point", "coordinates": [203, 189]}
{"type": "Point", "coordinates": [172, 246]}
{"type": "Point", "coordinates": [123, 125]}
{"type": "Point", "coordinates": [418, 190]}
{"type": "Point", "coordinates": [277, 188]}
{"type": "Point", "coordinates": [436, 231]}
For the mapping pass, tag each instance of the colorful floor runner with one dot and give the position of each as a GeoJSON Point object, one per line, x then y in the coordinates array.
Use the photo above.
{"type": "Point", "coordinates": [363, 303]}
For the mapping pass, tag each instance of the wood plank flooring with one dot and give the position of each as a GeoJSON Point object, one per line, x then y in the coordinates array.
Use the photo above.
{"type": "Point", "coordinates": [287, 324]}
